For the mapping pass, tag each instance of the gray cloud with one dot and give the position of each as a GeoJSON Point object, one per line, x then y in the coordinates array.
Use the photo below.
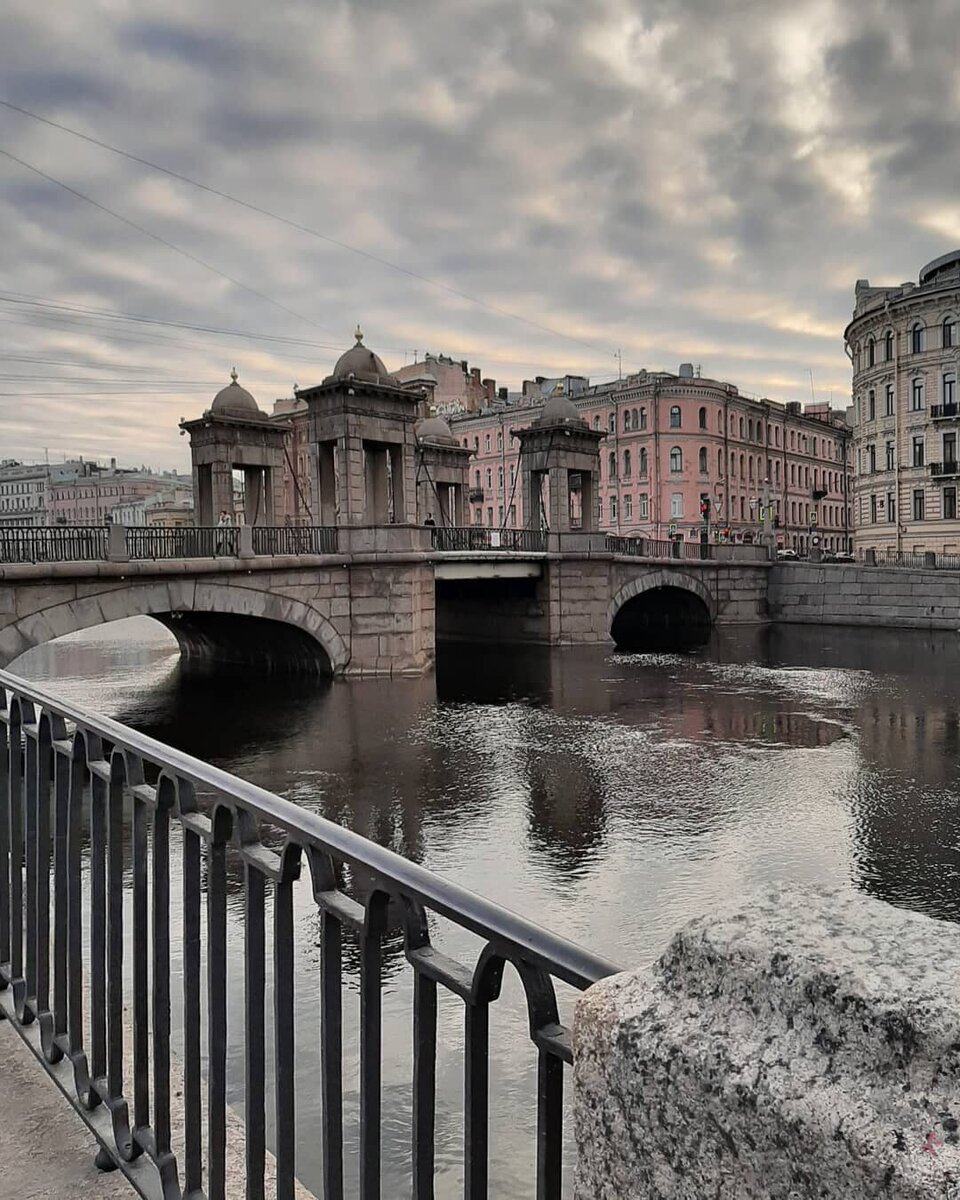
{"type": "Point", "coordinates": [676, 178]}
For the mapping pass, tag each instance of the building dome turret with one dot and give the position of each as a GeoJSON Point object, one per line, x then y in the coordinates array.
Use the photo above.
{"type": "Point", "coordinates": [558, 410]}
{"type": "Point", "coordinates": [360, 363]}
{"type": "Point", "coordinates": [235, 400]}
{"type": "Point", "coordinates": [436, 430]}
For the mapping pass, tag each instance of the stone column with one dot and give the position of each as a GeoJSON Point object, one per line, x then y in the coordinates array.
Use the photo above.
{"type": "Point", "coordinates": [327, 483]}
{"type": "Point", "coordinates": [221, 478]}
{"type": "Point", "coordinates": [253, 497]}
{"type": "Point", "coordinates": [375, 474]}
{"type": "Point", "coordinates": [803, 1046]}
{"type": "Point", "coordinates": [398, 486]}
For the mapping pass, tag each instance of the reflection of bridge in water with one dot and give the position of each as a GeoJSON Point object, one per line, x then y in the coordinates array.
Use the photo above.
{"type": "Point", "coordinates": [368, 600]}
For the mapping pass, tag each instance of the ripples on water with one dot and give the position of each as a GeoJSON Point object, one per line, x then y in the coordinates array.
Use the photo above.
{"type": "Point", "coordinates": [611, 797]}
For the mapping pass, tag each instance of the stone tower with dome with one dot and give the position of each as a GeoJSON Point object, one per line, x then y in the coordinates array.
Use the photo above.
{"type": "Point", "coordinates": [361, 431]}
{"type": "Point", "coordinates": [237, 453]}
{"type": "Point", "coordinates": [560, 469]}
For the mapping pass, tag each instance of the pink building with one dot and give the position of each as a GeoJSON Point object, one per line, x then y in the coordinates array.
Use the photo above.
{"type": "Point", "coordinates": [86, 493]}
{"type": "Point", "coordinates": [682, 455]}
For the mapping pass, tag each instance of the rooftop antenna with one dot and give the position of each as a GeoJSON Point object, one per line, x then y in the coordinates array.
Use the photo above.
{"type": "Point", "coordinates": [620, 365]}
{"type": "Point", "coordinates": [812, 394]}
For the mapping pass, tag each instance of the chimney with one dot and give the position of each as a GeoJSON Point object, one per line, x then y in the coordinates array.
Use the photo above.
{"type": "Point", "coordinates": [475, 374]}
{"type": "Point", "coordinates": [502, 394]}
{"type": "Point", "coordinates": [490, 387]}
{"type": "Point", "coordinates": [113, 464]}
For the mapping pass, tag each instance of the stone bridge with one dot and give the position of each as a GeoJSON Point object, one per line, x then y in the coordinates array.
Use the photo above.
{"type": "Point", "coordinates": [379, 602]}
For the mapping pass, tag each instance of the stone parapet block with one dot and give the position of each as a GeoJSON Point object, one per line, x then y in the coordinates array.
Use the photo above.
{"type": "Point", "coordinates": [805, 1046]}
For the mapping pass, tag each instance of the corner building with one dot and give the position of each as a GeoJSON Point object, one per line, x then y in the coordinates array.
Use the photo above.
{"type": "Point", "coordinates": [672, 441]}
{"type": "Point", "coordinates": [903, 347]}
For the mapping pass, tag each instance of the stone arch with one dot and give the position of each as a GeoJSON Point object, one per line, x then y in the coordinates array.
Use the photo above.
{"type": "Point", "coordinates": [162, 597]}
{"type": "Point", "coordinates": [658, 579]}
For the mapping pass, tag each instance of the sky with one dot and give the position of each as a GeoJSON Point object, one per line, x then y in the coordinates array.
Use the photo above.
{"type": "Point", "coordinates": [676, 180]}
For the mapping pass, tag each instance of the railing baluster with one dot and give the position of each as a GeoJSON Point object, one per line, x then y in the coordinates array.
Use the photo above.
{"type": "Point", "coordinates": [98, 923]}
{"type": "Point", "coordinates": [192, 1112]}
{"type": "Point", "coordinates": [254, 949]}
{"type": "Point", "coordinates": [16, 856]}
{"type": "Point", "coordinates": [6, 775]}
{"type": "Point", "coordinates": [424, 1084]}
{"type": "Point", "coordinates": [42, 875]}
{"type": "Point", "coordinates": [31, 806]}
{"type": "Point", "coordinates": [161, 979]}
{"type": "Point", "coordinates": [78, 777]}
{"type": "Point", "coordinates": [549, 1125]}
{"type": "Point", "coordinates": [371, 955]}
{"type": "Point", "coordinates": [217, 1008]}
{"type": "Point", "coordinates": [61, 894]}
{"type": "Point", "coordinates": [283, 1013]}
{"type": "Point", "coordinates": [141, 950]}
{"type": "Point", "coordinates": [115, 934]}
{"type": "Point", "coordinates": [331, 1055]}
{"type": "Point", "coordinates": [476, 1102]}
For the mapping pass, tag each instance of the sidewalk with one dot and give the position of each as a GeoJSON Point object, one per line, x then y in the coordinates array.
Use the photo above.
{"type": "Point", "coordinates": [46, 1152]}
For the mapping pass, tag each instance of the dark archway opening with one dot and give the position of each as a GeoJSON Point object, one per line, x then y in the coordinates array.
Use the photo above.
{"type": "Point", "coordinates": [663, 618]}
{"type": "Point", "coordinates": [231, 642]}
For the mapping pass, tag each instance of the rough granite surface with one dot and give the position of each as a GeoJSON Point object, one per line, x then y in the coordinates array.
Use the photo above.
{"type": "Point", "coordinates": [806, 1045]}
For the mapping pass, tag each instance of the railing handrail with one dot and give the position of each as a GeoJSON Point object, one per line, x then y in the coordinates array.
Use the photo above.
{"type": "Point", "coordinates": [561, 957]}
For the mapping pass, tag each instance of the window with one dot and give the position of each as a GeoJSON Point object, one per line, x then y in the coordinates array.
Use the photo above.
{"type": "Point", "coordinates": [741, 426]}
{"type": "Point", "coordinates": [500, 441]}
{"type": "Point", "coordinates": [949, 388]}
{"type": "Point", "coordinates": [643, 418]}
{"type": "Point", "coordinates": [873, 510]}
{"type": "Point", "coordinates": [871, 459]}
{"type": "Point", "coordinates": [596, 421]}
{"type": "Point", "coordinates": [888, 346]}
{"type": "Point", "coordinates": [490, 517]}
{"type": "Point", "coordinates": [643, 462]}
{"type": "Point", "coordinates": [888, 408]}
{"type": "Point", "coordinates": [719, 462]}
{"type": "Point", "coordinates": [916, 395]}
{"type": "Point", "coordinates": [478, 516]}
{"type": "Point", "coordinates": [676, 460]}
{"type": "Point", "coordinates": [776, 472]}
{"type": "Point", "coordinates": [750, 465]}
{"type": "Point", "coordinates": [626, 419]}
{"type": "Point", "coordinates": [702, 465]}
{"type": "Point", "coordinates": [476, 479]}
{"type": "Point", "coordinates": [613, 510]}
{"type": "Point", "coordinates": [793, 473]}
{"type": "Point", "coordinates": [949, 449]}
{"type": "Point", "coordinates": [918, 505]}
{"type": "Point", "coordinates": [742, 509]}
{"type": "Point", "coordinates": [500, 478]}
{"type": "Point", "coordinates": [675, 417]}
{"type": "Point", "coordinates": [872, 362]}
{"type": "Point", "coordinates": [917, 339]}
{"type": "Point", "coordinates": [642, 506]}
{"type": "Point", "coordinates": [733, 464]}
{"type": "Point", "coordinates": [950, 504]}
{"type": "Point", "coordinates": [626, 464]}
{"type": "Point", "coordinates": [486, 443]}
{"type": "Point", "coordinates": [949, 332]}
{"type": "Point", "coordinates": [676, 504]}
{"type": "Point", "coordinates": [628, 508]}
{"type": "Point", "coordinates": [703, 418]}
{"type": "Point", "coordinates": [489, 479]}
{"type": "Point", "coordinates": [890, 462]}
{"type": "Point", "coordinates": [612, 463]}
{"type": "Point", "coordinates": [612, 424]}
{"type": "Point", "coordinates": [871, 407]}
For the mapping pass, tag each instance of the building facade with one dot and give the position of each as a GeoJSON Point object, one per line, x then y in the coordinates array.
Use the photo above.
{"type": "Point", "coordinates": [23, 494]}
{"type": "Point", "coordinates": [905, 353]}
{"type": "Point", "coordinates": [683, 457]}
{"type": "Point", "coordinates": [85, 493]}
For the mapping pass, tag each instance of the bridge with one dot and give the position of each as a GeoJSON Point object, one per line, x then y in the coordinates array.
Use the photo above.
{"type": "Point", "coordinates": [367, 600]}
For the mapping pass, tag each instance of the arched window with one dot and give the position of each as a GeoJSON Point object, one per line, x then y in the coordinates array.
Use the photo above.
{"type": "Point", "coordinates": [643, 418]}
{"type": "Point", "coordinates": [917, 338]}
{"type": "Point", "coordinates": [703, 418]}
{"type": "Point", "coordinates": [750, 429]}
{"type": "Point", "coordinates": [741, 427]}
{"type": "Point", "coordinates": [871, 409]}
{"type": "Point", "coordinates": [676, 459]}
{"type": "Point", "coordinates": [949, 332]}
{"type": "Point", "coordinates": [613, 422]}
{"type": "Point", "coordinates": [743, 473]}
{"type": "Point", "coordinates": [793, 473]}
{"type": "Point", "coordinates": [633, 420]}
{"type": "Point", "coordinates": [596, 421]}
{"type": "Point", "coordinates": [626, 464]}
{"type": "Point", "coordinates": [613, 465]}
{"type": "Point", "coordinates": [949, 388]}
{"type": "Point", "coordinates": [626, 419]}
{"type": "Point", "coordinates": [719, 421]}
{"type": "Point", "coordinates": [643, 462]}
{"type": "Point", "coordinates": [871, 353]}
{"type": "Point", "coordinates": [703, 460]}
{"type": "Point", "coordinates": [719, 462]}
{"type": "Point", "coordinates": [888, 346]}
{"type": "Point", "coordinates": [733, 463]}
{"type": "Point", "coordinates": [675, 417]}
{"type": "Point", "coordinates": [750, 464]}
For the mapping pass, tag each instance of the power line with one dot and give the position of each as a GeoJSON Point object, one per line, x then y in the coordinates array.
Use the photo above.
{"type": "Point", "coordinates": [156, 237]}
{"type": "Point", "coordinates": [315, 233]}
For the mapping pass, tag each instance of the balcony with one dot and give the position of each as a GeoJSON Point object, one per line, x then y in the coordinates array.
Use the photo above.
{"type": "Point", "coordinates": [944, 412]}
{"type": "Point", "coordinates": [475, 495]}
{"type": "Point", "coordinates": [818, 494]}
{"type": "Point", "coordinates": [944, 470]}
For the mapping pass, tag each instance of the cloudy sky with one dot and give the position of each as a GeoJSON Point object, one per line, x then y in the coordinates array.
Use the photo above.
{"type": "Point", "coordinates": [694, 180]}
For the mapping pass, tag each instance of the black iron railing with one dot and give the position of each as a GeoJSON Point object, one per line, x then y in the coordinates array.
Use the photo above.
{"type": "Point", "coordinates": [296, 539]}
{"type": "Point", "coordinates": [625, 545]}
{"type": "Point", "coordinates": [479, 537]}
{"type": "Point", "coordinates": [56, 543]}
{"type": "Point", "coordinates": [940, 469]}
{"type": "Point", "coordinates": [88, 812]}
{"type": "Point", "coordinates": [186, 541]}
{"type": "Point", "coordinates": [942, 412]}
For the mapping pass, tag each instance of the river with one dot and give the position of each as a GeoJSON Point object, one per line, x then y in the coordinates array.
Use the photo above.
{"type": "Point", "coordinates": [611, 797]}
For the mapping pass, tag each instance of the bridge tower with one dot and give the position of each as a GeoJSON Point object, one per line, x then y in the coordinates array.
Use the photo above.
{"type": "Point", "coordinates": [560, 469]}
{"type": "Point", "coordinates": [441, 474]}
{"type": "Point", "coordinates": [235, 435]}
{"type": "Point", "coordinates": [363, 442]}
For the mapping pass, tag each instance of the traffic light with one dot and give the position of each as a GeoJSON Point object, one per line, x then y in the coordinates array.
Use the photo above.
{"type": "Point", "coordinates": [705, 507]}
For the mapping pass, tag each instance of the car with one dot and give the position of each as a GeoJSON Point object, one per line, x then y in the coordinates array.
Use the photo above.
{"type": "Point", "coordinates": [787, 554]}
{"type": "Point", "coordinates": [843, 557]}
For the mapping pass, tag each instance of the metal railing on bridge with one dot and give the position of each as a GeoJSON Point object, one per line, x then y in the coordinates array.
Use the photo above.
{"type": "Point", "coordinates": [56, 543]}
{"type": "Point", "coordinates": [295, 539]}
{"type": "Point", "coordinates": [187, 541]}
{"type": "Point", "coordinates": [479, 537]}
{"type": "Point", "coordinates": [911, 560]}
{"type": "Point", "coordinates": [643, 547]}
{"type": "Point", "coordinates": [88, 809]}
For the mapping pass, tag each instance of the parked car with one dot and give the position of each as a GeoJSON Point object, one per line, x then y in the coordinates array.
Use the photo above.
{"type": "Point", "coordinates": [787, 554]}
{"type": "Point", "coordinates": [843, 557]}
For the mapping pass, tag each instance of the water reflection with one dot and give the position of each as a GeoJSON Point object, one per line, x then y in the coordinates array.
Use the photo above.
{"type": "Point", "coordinates": [610, 795]}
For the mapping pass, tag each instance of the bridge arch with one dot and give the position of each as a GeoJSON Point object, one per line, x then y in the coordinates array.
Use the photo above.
{"type": "Point", "coordinates": [661, 607]}
{"type": "Point", "coordinates": [177, 605]}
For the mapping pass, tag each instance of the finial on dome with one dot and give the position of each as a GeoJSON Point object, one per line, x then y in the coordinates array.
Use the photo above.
{"type": "Point", "coordinates": [233, 375]}
{"type": "Point", "coordinates": [358, 334]}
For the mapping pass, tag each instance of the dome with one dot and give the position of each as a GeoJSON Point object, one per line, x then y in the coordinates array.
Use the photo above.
{"type": "Point", "coordinates": [435, 429]}
{"type": "Point", "coordinates": [558, 409]}
{"type": "Point", "coordinates": [361, 363]}
{"type": "Point", "coordinates": [234, 399]}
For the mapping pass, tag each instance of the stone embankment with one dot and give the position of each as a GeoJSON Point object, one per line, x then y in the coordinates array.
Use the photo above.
{"type": "Point", "coordinates": [831, 594]}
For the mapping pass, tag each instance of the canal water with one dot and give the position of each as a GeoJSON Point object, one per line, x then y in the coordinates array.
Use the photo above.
{"type": "Point", "coordinates": [611, 797]}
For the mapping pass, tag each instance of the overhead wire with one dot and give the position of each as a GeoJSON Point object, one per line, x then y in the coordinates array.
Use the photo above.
{"type": "Point", "coordinates": [306, 229]}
